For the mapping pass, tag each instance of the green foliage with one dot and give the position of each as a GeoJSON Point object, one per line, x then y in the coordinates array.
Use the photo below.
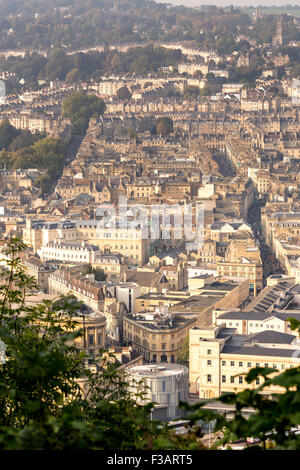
{"type": "Point", "coordinates": [13, 139]}
{"type": "Point", "coordinates": [7, 134]}
{"type": "Point", "coordinates": [58, 65]}
{"type": "Point", "coordinates": [226, 45]}
{"type": "Point", "coordinates": [164, 126]}
{"type": "Point", "coordinates": [191, 92]}
{"type": "Point", "coordinates": [73, 76]}
{"type": "Point", "coordinates": [45, 154]}
{"type": "Point", "coordinates": [24, 139]}
{"type": "Point", "coordinates": [206, 91]}
{"type": "Point", "coordinates": [265, 29]}
{"type": "Point", "coordinates": [123, 93]}
{"type": "Point", "coordinates": [80, 107]}
{"type": "Point", "coordinates": [77, 25]}
{"type": "Point", "coordinates": [183, 354]}
{"type": "Point", "coordinates": [99, 273]}
{"type": "Point", "coordinates": [42, 404]}
{"type": "Point", "coordinates": [246, 75]}
{"type": "Point", "coordinates": [92, 23]}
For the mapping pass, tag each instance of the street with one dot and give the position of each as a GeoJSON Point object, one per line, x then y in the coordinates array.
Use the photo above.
{"type": "Point", "coordinates": [270, 263]}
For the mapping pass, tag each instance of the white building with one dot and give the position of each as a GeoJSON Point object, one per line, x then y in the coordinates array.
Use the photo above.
{"type": "Point", "coordinates": [110, 87]}
{"type": "Point", "coordinates": [69, 252]}
{"type": "Point", "coordinates": [164, 385]}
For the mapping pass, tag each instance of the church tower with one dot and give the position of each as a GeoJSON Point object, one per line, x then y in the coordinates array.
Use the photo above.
{"type": "Point", "coordinates": [278, 38]}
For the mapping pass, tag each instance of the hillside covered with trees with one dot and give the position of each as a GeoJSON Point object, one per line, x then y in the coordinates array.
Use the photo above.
{"type": "Point", "coordinates": [74, 24]}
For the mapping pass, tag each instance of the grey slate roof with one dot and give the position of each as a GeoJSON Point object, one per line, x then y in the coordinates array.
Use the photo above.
{"type": "Point", "coordinates": [272, 337]}
{"type": "Point", "coordinates": [258, 351]}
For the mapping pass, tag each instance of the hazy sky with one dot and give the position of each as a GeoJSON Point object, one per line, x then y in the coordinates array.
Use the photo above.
{"type": "Point", "coordinates": [245, 3]}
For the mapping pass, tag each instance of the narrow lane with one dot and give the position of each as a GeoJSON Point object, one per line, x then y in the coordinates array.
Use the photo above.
{"type": "Point", "coordinates": [270, 263]}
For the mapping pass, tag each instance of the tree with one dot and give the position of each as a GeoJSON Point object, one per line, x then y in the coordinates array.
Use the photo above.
{"type": "Point", "coordinates": [99, 273]}
{"type": "Point", "coordinates": [24, 139]}
{"type": "Point", "coordinates": [123, 93]}
{"type": "Point", "coordinates": [42, 405]}
{"type": "Point", "coordinates": [183, 354]}
{"type": "Point", "coordinates": [58, 65]}
{"type": "Point", "coordinates": [164, 126]}
{"type": "Point", "coordinates": [47, 154]}
{"type": "Point", "coordinates": [7, 134]}
{"type": "Point", "coordinates": [205, 91]}
{"type": "Point", "coordinates": [80, 107]}
{"type": "Point", "coordinates": [73, 76]}
{"type": "Point", "coordinates": [191, 92]}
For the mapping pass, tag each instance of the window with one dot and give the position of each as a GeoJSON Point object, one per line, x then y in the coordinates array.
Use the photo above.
{"type": "Point", "coordinates": [266, 364]}
{"type": "Point", "coordinates": [240, 380]}
{"type": "Point", "coordinates": [224, 378]}
{"type": "Point", "coordinates": [257, 381]}
{"type": "Point", "coordinates": [99, 338]}
{"type": "Point", "coordinates": [232, 363]}
{"type": "Point", "coordinates": [209, 363]}
{"type": "Point", "coordinates": [257, 364]}
{"type": "Point", "coordinates": [91, 340]}
{"type": "Point", "coordinates": [248, 364]}
{"type": "Point", "coordinates": [209, 351]}
{"type": "Point", "coordinates": [209, 378]}
{"type": "Point", "coordinates": [232, 379]}
{"type": "Point", "coordinates": [163, 386]}
{"type": "Point", "coordinates": [223, 363]}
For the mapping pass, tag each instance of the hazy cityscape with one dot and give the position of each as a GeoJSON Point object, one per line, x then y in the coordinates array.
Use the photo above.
{"type": "Point", "coordinates": [149, 226]}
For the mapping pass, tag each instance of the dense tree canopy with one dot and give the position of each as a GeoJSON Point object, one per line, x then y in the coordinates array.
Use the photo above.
{"type": "Point", "coordinates": [98, 273]}
{"type": "Point", "coordinates": [47, 154]}
{"type": "Point", "coordinates": [191, 92]}
{"type": "Point", "coordinates": [13, 139]}
{"type": "Point", "coordinates": [164, 126]}
{"type": "Point", "coordinates": [132, 21]}
{"type": "Point", "coordinates": [80, 107]}
{"type": "Point", "coordinates": [123, 93]}
{"type": "Point", "coordinates": [7, 134]}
